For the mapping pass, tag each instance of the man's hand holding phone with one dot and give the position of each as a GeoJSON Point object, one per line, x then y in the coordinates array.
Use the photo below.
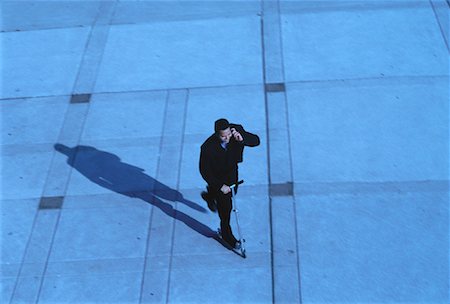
{"type": "Point", "coordinates": [237, 136]}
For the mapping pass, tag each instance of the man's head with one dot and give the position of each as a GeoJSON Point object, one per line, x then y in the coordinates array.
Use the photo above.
{"type": "Point", "coordinates": [222, 129]}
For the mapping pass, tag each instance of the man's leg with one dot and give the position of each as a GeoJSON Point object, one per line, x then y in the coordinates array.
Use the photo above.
{"type": "Point", "coordinates": [224, 207]}
{"type": "Point", "coordinates": [210, 199]}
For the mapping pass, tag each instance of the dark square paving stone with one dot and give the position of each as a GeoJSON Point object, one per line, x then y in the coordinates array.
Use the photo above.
{"type": "Point", "coordinates": [275, 87]}
{"type": "Point", "coordinates": [51, 202]}
{"type": "Point", "coordinates": [80, 98]}
{"type": "Point", "coordinates": [285, 189]}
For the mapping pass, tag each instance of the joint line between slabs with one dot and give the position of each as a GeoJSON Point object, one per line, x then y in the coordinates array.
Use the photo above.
{"type": "Point", "coordinates": [439, 24]}
{"type": "Point", "coordinates": [55, 229]}
{"type": "Point", "coordinates": [263, 51]}
{"type": "Point", "coordinates": [147, 246]}
{"type": "Point", "coordinates": [19, 272]}
{"type": "Point", "coordinates": [38, 211]}
{"type": "Point", "coordinates": [169, 278]}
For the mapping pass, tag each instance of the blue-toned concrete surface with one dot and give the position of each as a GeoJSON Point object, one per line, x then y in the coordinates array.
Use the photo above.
{"type": "Point", "coordinates": [105, 104]}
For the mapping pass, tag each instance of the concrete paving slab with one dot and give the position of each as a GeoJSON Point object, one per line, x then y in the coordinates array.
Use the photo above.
{"type": "Point", "coordinates": [169, 157]}
{"type": "Point", "coordinates": [101, 234]}
{"type": "Point", "coordinates": [239, 104]}
{"type": "Point", "coordinates": [40, 241]}
{"type": "Point", "coordinates": [169, 214]}
{"type": "Point", "coordinates": [94, 267]}
{"type": "Point", "coordinates": [112, 287]}
{"type": "Point", "coordinates": [174, 116]}
{"type": "Point", "coordinates": [41, 63]}
{"type": "Point", "coordinates": [157, 262]}
{"type": "Point", "coordinates": [155, 279]}
{"type": "Point", "coordinates": [370, 187]}
{"type": "Point", "coordinates": [33, 16]}
{"type": "Point", "coordinates": [225, 271]}
{"type": "Point", "coordinates": [214, 53]}
{"type": "Point", "coordinates": [95, 46]}
{"type": "Point", "coordinates": [26, 173]}
{"type": "Point", "coordinates": [155, 287]}
{"type": "Point", "coordinates": [124, 170]}
{"type": "Point", "coordinates": [102, 201]}
{"type": "Point", "coordinates": [253, 169]}
{"type": "Point", "coordinates": [374, 247]}
{"type": "Point", "coordinates": [16, 226]}
{"type": "Point", "coordinates": [189, 175]}
{"type": "Point", "coordinates": [279, 143]}
{"type": "Point", "coordinates": [58, 177]}
{"type": "Point", "coordinates": [286, 266]}
{"type": "Point", "coordinates": [190, 286]}
{"type": "Point", "coordinates": [253, 220]}
{"type": "Point", "coordinates": [219, 261]}
{"type": "Point", "coordinates": [195, 235]}
{"type": "Point", "coordinates": [171, 142]}
{"type": "Point", "coordinates": [160, 238]}
{"type": "Point", "coordinates": [32, 120]}
{"type": "Point", "coordinates": [440, 8]}
{"type": "Point", "coordinates": [32, 270]}
{"type": "Point", "coordinates": [7, 288]}
{"type": "Point", "coordinates": [344, 40]}
{"type": "Point", "coordinates": [10, 271]}
{"type": "Point", "coordinates": [374, 131]}
{"type": "Point", "coordinates": [73, 124]}
{"type": "Point", "coordinates": [272, 42]}
{"type": "Point", "coordinates": [128, 115]}
{"type": "Point", "coordinates": [160, 11]}
{"type": "Point", "coordinates": [89, 66]}
{"type": "Point", "coordinates": [162, 217]}
{"type": "Point", "coordinates": [26, 289]}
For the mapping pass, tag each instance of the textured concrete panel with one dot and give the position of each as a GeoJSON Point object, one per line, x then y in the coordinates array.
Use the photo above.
{"type": "Point", "coordinates": [199, 53]}
{"type": "Point", "coordinates": [360, 39]}
{"type": "Point", "coordinates": [41, 63]}
{"type": "Point", "coordinates": [393, 130]}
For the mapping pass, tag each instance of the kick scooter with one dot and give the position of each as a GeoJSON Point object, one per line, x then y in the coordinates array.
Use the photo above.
{"type": "Point", "coordinates": [241, 250]}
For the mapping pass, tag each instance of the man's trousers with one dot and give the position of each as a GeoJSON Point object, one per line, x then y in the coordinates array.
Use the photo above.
{"type": "Point", "coordinates": [224, 206]}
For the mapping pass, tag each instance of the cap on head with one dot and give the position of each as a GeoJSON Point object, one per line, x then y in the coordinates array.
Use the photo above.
{"type": "Point", "coordinates": [221, 124]}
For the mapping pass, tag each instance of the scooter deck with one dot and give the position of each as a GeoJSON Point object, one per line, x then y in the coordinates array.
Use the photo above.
{"type": "Point", "coordinates": [240, 252]}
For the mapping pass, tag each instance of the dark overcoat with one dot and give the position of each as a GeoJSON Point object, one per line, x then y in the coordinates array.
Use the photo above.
{"type": "Point", "coordinates": [219, 166]}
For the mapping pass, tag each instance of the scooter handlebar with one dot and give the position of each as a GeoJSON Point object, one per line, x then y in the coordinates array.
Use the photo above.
{"type": "Point", "coordinates": [238, 183]}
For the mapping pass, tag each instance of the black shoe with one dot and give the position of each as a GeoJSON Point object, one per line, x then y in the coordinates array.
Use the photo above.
{"type": "Point", "coordinates": [211, 202]}
{"type": "Point", "coordinates": [236, 245]}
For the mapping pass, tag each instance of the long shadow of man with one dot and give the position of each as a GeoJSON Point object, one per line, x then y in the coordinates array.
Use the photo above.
{"type": "Point", "coordinates": [107, 170]}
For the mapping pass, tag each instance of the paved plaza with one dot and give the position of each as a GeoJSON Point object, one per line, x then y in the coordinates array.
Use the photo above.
{"type": "Point", "coordinates": [104, 107]}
